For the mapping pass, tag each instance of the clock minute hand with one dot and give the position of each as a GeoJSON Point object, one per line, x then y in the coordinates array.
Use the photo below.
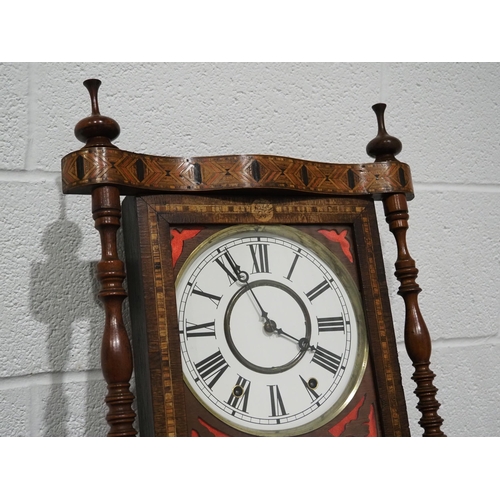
{"type": "Point", "coordinates": [242, 277]}
{"type": "Point", "coordinates": [269, 324]}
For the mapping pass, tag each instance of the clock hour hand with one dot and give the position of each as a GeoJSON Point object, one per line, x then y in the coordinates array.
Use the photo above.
{"type": "Point", "coordinates": [270, 326]}
{"type": "Point", "coordinates": [303, 342]}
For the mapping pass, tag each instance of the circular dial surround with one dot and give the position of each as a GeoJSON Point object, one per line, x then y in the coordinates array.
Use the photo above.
{"type": "Point", "coordinates": [272, 332]}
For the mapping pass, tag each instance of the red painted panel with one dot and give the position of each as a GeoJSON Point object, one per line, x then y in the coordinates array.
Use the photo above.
{"type": "Point", "coordinates": [341, 238]}
{"type": "Point", "coordinates": [178, 239]}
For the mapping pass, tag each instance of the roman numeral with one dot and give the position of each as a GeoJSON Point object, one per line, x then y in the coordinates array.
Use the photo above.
{"type": "Point", "coordinates": [295, 259]}
{"type": "Point", "coordinates": [326, 359]}
{"type": "Point", "coordinates": [232, 273]}
{"type": "Point", "coordinates": [212, 368]}
{"type": "Point", "coordinates": [277, 406]}
{"type": "Point", "coordinates": [260, 258]}
{"type": "Point", "coordinates": [201, 330]}
{"type": "Point", "coordinates": [332, 324]}
{"type": "Point", "coordinates": [214, 298]}
{"type": "Point", "coordinates": [318, 290]}
{"type": "Point", "coordinates": [310, 390]}
{"type": "Point", "coordinates": [239, 395]}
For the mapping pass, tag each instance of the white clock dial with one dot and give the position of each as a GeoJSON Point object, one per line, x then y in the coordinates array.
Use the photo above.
{"type": "Point", "coordinates": [272, 333]}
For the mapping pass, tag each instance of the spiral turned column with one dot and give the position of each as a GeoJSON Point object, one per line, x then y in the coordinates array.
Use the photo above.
{"type": "Point", "coordinates": [417, 339]}
{"type": "Point", "coordinates": [116, 351]}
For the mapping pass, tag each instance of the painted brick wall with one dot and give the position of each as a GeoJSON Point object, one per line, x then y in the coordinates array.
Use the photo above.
{"type": "Point", "coordinates": [446, 115]}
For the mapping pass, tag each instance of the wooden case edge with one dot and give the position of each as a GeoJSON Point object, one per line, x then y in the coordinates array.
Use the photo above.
{"type": "Point", "coordinates": [154, 407]}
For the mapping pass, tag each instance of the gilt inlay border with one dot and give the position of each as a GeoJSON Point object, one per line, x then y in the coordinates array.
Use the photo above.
{"type": "Point", "coordinates": [388, 380]}
{"type": "Point", "coordinates": [161, 314]}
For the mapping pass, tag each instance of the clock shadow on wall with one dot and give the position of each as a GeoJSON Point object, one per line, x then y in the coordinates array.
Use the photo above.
{"type": "Point", "coordinates": [63, 296]}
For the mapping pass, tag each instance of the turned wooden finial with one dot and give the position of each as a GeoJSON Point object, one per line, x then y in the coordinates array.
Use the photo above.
{"type": "Point", "coordinates": [383, 147]}
{"type": "Point", "coordinates": [96, 129]}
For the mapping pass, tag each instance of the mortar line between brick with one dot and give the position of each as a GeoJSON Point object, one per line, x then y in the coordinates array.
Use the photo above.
{"type": "Point", "coordinates": [458, 188]}
{"type": "Point", "coordinates": [28, 176]}
{"type": "Point", "coordinates": [462, 342]}
{"type": "Point", "coordinates": [31, 117]}
{"type": "Point", "coordinates": [40, 379]}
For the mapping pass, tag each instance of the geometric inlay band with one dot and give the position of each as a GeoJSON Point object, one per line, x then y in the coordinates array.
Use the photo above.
{"type": "Point", "coordinates": [135, 173]}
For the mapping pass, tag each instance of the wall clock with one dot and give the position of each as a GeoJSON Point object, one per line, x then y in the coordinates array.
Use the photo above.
{"type": "Point", "coordinates": [257, 291]}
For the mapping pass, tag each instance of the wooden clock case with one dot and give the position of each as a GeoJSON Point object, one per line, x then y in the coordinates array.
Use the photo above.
{"type": "Point", "coordinates": [176, 203]}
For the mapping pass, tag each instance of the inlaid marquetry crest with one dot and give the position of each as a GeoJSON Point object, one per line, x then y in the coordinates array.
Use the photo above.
{"type": "Point", "coordinates": [137, 173]}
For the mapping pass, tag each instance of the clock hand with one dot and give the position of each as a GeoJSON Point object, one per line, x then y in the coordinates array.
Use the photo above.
{"type": "Point", "coordinates": [303, 342]}
{"type": "Point", "coordinates": [238, 275]}
{"type": "Point", "coordinates": [269, 324]}
{"type": "Point", "coordinates": [243, 277]}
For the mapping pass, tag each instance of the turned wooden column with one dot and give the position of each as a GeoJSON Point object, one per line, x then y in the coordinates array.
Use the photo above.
{"type": "Point", "coordinates": [417, 339]}
{"type": "Point", "coordinates": [116, 352]}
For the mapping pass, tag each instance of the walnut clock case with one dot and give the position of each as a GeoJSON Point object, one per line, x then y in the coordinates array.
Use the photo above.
{"type": "Point", "coordinates": [257, 291]}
